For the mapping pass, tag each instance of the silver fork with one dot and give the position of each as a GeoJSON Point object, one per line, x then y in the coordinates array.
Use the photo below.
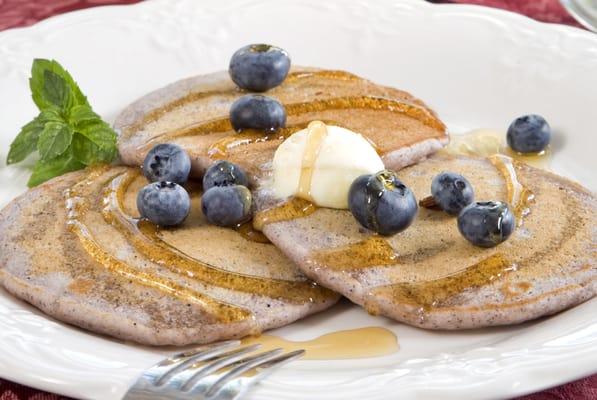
{"type": "Point", "coordinates": [221, 371]}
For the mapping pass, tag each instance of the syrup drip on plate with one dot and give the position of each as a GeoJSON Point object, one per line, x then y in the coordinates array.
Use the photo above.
{"type": "Point", "coordinates": [348, 344]}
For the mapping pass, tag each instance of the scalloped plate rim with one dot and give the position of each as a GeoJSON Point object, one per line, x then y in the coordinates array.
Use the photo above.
{"type": "Point", "coordinates": [468, 11]}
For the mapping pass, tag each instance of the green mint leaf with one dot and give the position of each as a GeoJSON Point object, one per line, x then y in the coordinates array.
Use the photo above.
{"type": "Point", "coordinates": [26, 141]}
{"type": "Point", "coordinates": [38, 85]}
{"type": "Point", "coordinates": [89, 153]}
{"type": "Point", "coordinates": [50, 115]}
{"type": "Point", "coordinates": [55, 138]}
{"type": "Point", "coordinates": [94, 147]}
{"type": "Point", "coordinates": [56, 91]}
{"type": "Point", "coordinates": [82, 115]}
{"type": "Point", "coordinates": [67, 133]}
{"type": "Point", "coordinates": [84, 149]}
{"type": "Point", "coordinates": [100, 134]}
{"type": "Point", "coordinates": [45, 170]}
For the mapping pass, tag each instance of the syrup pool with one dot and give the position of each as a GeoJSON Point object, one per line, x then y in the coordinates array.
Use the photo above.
{"type": "Point", "coordinates": [341, 345]}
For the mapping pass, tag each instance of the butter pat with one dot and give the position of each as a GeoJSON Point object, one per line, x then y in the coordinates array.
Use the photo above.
{"type": "Point", "coordinates": [320, 163]}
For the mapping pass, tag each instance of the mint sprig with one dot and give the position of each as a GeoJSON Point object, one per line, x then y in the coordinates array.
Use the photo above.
{"type": "Point", "coordinates": [67, 134]}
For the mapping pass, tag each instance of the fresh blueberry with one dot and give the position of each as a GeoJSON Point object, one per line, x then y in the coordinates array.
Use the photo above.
{"type": "Point", "coordinates": [381, 203]}
{"type": "Point", "coordinates": [486, 224]}
{"type": "Point", "coordinates": [226, 205]}
{"type": "Point", "coordinates": [164, 203]}
{"type": "Point", "coordinates": [224, 173]}
{"type": "Point", "coordinates": [452, 192]}
{"type": "Point", "coordinates": [259, 67]}
{"type": "Point", "coordinates": [167, 163]}
{"type": "Point", "coordinates": [529, 134]}
{"type": "Point", "coordinates": [255, 111]}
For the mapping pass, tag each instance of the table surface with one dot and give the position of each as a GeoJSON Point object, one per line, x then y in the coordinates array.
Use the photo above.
{"type": "Point", "coordinates": [19, 13]}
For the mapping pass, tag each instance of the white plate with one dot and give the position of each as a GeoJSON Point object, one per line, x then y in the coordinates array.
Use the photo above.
{"type": "Point", "coordinates": [477, 67]}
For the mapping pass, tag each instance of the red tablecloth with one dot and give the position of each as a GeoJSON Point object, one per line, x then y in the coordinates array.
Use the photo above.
{"type": "Point", "coordinates": [16, 13]}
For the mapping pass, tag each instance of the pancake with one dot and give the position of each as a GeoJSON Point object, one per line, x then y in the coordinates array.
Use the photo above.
{"type": "Point", "coordinates": [193, 113]}
{"type": "Point", "coordinates": [73, 248]}
{"type": "Point", "coordinates": [429, 276]}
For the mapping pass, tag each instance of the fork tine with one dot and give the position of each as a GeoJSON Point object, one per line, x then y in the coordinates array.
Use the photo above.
{"type": "Point", "coordinates": [264, 361]}
{"type": "Point", "coordinates": [186, 377]}
{"type": "Point", "coordinates": [280, 360]}
{"type": "Point", "coordinates": [164, 368]}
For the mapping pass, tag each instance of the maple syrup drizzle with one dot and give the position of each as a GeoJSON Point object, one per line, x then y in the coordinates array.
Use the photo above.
{"type": "Point", "coordinates": [366, 342]}
{"type": "Point", "coordinates": [316, 133]}
{"type": "Point", "coordinates": [153, 115]}
{"type": "Point", "coordinates": [220, 149]}
{"type": "Point", "coordinates": [434, 293]}
{"type": "Point", "coordinates": [292, 208]}
{"type": "Point", "coordinates": [250, 233]}
{"type": "Point", "coordinates": [222, 125]}
{"type": "Point", "coordinates": [145, 238]}
{"type": "Point", "coordinates": [78, 204]}
{"type": "Point", "coordinates": [371, 252]}
{"type": "Point", "coordinates": [519, 196]}
{"type": "Point", "coordinates": [324, 73]}
{"type": "Point", "coordinates": [511, 290]}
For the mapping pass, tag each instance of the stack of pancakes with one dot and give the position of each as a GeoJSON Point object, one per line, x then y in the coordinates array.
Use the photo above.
{"type": "Point", "coordinates": [75, 248]}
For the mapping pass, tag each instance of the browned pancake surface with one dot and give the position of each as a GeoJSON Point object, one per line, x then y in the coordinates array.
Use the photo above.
{"type": "Point", "coordinates": [73, 248]}
{"type": "Point", "coordinates": [430, 276]}
{"type": "Point", "coordinates": [194, 114]}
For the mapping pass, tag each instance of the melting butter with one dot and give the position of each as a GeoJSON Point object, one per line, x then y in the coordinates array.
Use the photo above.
{"type": "Point", "coordinates": [348, 344]}
{"type": "Point", "coordinates": [487, 142]}
{"type": "Point", "coordinates": [321, 162]}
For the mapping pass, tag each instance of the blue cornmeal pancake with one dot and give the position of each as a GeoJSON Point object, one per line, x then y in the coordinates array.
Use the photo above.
{"type": "Point", "coordinates": [431, 277]}
{"type": "Point", "coordinates": [74, 248]}
{"type": "Point", "coordinates": [193, 113]}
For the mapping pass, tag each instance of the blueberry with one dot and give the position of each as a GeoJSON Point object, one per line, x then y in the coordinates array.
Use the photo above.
{"type": "Point", "coordinates": [452, 192]}
{"type": "Point", "coordinates": [167, 163]}
{"type": "Point", "coordinates": [486, 224]}
{"type": "Point", "coordinates": [226, 205]}
{"type": "Point", "coordinates": [224, 173]}
{"type": "Point", "coordinates": [529, 134]}
{"type": "Point", "coordinates": [381, 203]}
{"type": "Point", "coordinates": [164, 203]}
{"type": "Point", "coordinates": [259, 67]}
{"type": "Point", "coordinates": [255, 111]}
